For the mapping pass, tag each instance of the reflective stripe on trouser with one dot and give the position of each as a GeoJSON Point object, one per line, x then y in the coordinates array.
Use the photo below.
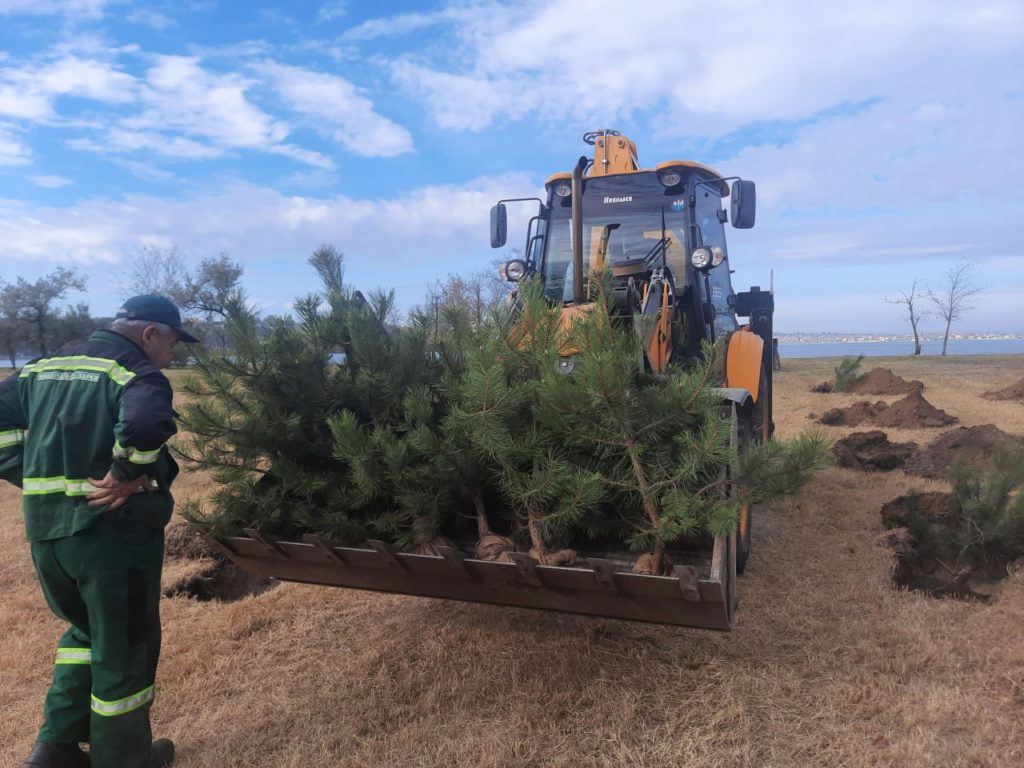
{"type": "Point", "coordinates": [74, 656]}
{"type": "Point", "coordinates": [105, 582]}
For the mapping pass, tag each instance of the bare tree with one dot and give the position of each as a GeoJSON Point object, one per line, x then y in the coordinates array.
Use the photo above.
{"type": "Point", "coordinates": [911, 301]}
{"type": "Point", "coordinates": [33, 305]}
{"type": "Point", "coordinates": [211, 287]}
{"type": "Point", "coordinates": [956, 296]}
{"type": "Point", "coordinates": [12, 335]}
{"type": "Point", "coordinates": [156, 270]}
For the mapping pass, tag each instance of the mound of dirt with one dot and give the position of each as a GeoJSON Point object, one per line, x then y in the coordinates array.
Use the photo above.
{"type": "Point", "coordinates": [912, 412]}
{"type": "Point", "coordinates": [882, 381]}
{"type": "Point", "coordinates": [932, 515]}
{"type": "Point", "coordinates": [973, 446]}
{"type": "Point", "coordinates": [1013, 392]}
{"type": "Point", "coordinates": [180, 541]}
{"type": "Point", "coordinates": [877, 381]}
{"type": "Point", "coordinates": [872, 451]}
{"type": "Point", "coordinates": [937, 507]}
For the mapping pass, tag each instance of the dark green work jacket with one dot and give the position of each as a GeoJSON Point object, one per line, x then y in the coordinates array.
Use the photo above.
{"type": "Point", "coordinates": [95, 407]}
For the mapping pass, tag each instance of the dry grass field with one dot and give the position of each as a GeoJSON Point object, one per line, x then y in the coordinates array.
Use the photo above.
{"type": "Point", "coordinates": [828, 665]}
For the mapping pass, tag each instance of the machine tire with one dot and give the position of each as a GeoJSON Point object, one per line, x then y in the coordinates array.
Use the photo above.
{"type": "Point", "coordinates": [750, 429]}
{"type": "Point", "coordinates": [743, 530]}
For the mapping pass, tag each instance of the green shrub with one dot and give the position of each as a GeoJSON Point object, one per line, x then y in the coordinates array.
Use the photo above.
{"type": "Point", "coordinates": [988, 528]}
{"type": "Point", "coordinates": [847, 374]}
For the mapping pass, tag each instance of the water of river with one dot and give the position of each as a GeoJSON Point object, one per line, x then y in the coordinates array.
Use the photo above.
{"type": "Point", "coordinates": [897, 348]}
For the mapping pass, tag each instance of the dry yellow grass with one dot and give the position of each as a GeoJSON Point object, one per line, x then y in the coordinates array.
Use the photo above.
{"type": "Point", "coordinates": [828, 666]}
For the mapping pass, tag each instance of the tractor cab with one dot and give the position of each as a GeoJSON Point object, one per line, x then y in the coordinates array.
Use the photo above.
{"type": "Point", "coordinates": [660, 227]}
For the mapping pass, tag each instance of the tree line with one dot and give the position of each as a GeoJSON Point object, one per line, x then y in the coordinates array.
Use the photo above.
{"type": "Point", "coordinates": [36, 318]}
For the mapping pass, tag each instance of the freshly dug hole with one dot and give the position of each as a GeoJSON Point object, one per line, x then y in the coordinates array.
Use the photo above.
{"type": "Point", "coordinates": [871, 451]}
{"type": "Point", "coordinates": [222, 581]}
{"type": "Point", "coordinates": [935, 515]}
{"type": "Point", "coordinates": [1013, 392]}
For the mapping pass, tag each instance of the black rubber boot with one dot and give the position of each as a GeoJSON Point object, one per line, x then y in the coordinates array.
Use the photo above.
{"type": "Point", "coordinates": [163, 753]}
{"type": "Point", "coordinates": [46, 755]}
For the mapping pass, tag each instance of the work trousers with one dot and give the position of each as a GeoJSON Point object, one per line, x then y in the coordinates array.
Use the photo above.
{"type": "Point", "coordinates": [105, 582]}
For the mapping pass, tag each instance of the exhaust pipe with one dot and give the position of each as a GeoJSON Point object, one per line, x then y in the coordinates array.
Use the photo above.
{"type": "Point", "coordinates": [577, 230]}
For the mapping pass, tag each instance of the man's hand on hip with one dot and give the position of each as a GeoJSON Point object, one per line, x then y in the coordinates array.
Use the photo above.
{"type": "Point", "coordinates": [114, 492]}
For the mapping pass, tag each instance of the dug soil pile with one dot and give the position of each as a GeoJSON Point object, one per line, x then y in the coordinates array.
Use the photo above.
{"type": "Point", "coordinates": [882, 381]}
{"type": "Point", "coordinates": [912, 412]}
{"type": "Point", "coordinates": [972, 446]}
{"type": "Point", "coordinates": [878, 381]}
{"type": "Point", "coordinates": [872, 451]}
{"type": "Point", "coordinates": [933, 515]}
{"type": "Point", "coordinates": [1013, 392]}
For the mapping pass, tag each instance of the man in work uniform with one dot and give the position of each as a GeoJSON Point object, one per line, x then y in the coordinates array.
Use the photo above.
{"type": "Point", "coordinates": [84, 434]}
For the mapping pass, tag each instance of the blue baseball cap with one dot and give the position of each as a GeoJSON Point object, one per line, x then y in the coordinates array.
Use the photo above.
{"type": "Point", "coordinates": [155, 309]}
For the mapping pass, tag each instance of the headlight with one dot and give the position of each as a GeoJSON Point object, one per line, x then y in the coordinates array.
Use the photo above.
{"type": "Point", "coordinates": [515, 270]}
{"type": "Point", "coordinates": [701, 258]}
{"type": "Point", "coordinates": [717, 255]}
{"type": "Point", "coordinates": [563, 190]}
{"type": "Point", "coordinates": [670, 178]}
{"type": "Point", "coordinates": [566, 365]}
{"type": "Point", "coordinates": [671, 173]}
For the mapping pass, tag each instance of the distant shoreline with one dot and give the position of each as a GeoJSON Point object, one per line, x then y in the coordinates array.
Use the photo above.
{"type": "Point", "coordinates": [878, 338]}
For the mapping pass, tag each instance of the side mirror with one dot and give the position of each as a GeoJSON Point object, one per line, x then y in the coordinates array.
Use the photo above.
{"type": "Point", "coordinates": [499, 225]}
{"type": "Point", "coordinates": [744, 203]}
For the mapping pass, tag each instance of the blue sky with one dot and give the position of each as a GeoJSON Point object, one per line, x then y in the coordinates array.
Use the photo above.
{"type": "Point", "coordinates": [885, 138]}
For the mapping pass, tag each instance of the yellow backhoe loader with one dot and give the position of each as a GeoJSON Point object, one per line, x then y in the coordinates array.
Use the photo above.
{"type": "Point", "coordinates": [660, 233]}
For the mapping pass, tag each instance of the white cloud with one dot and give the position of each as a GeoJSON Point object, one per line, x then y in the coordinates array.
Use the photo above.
{"type": "Point", "coordinates": [339, 110]}
{"type": "Point", "coordinates": [750, 61]}
{"type": "Point", "coordinates": [181, 96]}
{"type": "Point", "coordinates": [410, 239]}
{"type": "Point", "coordinates": [88, 79]}
{"type": "Point", "coordinates": [50, 181]}
{"type": "Point", "coordinates": [189, 113]}
{"type": "Point", "coordinates": [28, 93]}
{"type": "Point", "coordinates": [118, 140]}
{"type": "Point", "coordinates": [155, 20]}
{"type": "Point", "coordinates": [73, 8]}
{"type": "Point", "coordinates": [392, 26]}
{"type": "Point", "coordinates": [12, 150]}
{"type": "Point", "coordinates": [306, 156]}
{"type": "Point", "coordinates": [332, 10]}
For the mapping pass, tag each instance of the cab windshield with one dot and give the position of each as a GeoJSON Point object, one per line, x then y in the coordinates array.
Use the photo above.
{"type": "Point", "coordinates": [625, 217]}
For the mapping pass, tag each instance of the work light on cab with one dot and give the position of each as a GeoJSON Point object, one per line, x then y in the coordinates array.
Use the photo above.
{"type": "Point", "coordinates": [670, 174]}
{"type": "Point", "coordinates": [515, 270]}
{"type": "Point", "coordinates": [707, 257]}
{"type": "Point", "coordinates": [560, 185]}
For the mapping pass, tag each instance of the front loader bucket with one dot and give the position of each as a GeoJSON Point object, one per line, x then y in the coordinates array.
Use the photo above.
{"type": "Point", "coordinates": [687, 599]}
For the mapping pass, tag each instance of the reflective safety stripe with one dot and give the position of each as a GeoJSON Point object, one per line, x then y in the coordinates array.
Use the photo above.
{"type": "Point", "coordinates": [134, 455]}
{"type": "Point", "coordinates": [12, 437]}
{"type": "Point", "coordinates": [143, 457]}
{"type": "Point", "coordinates": [80, 363]}
{"type": "Point", "coordinates": [38, 486]}
{"type": "Point", "coordinates": [74, 656]}
{"type": "Point", "coordinates": [125, 705]}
